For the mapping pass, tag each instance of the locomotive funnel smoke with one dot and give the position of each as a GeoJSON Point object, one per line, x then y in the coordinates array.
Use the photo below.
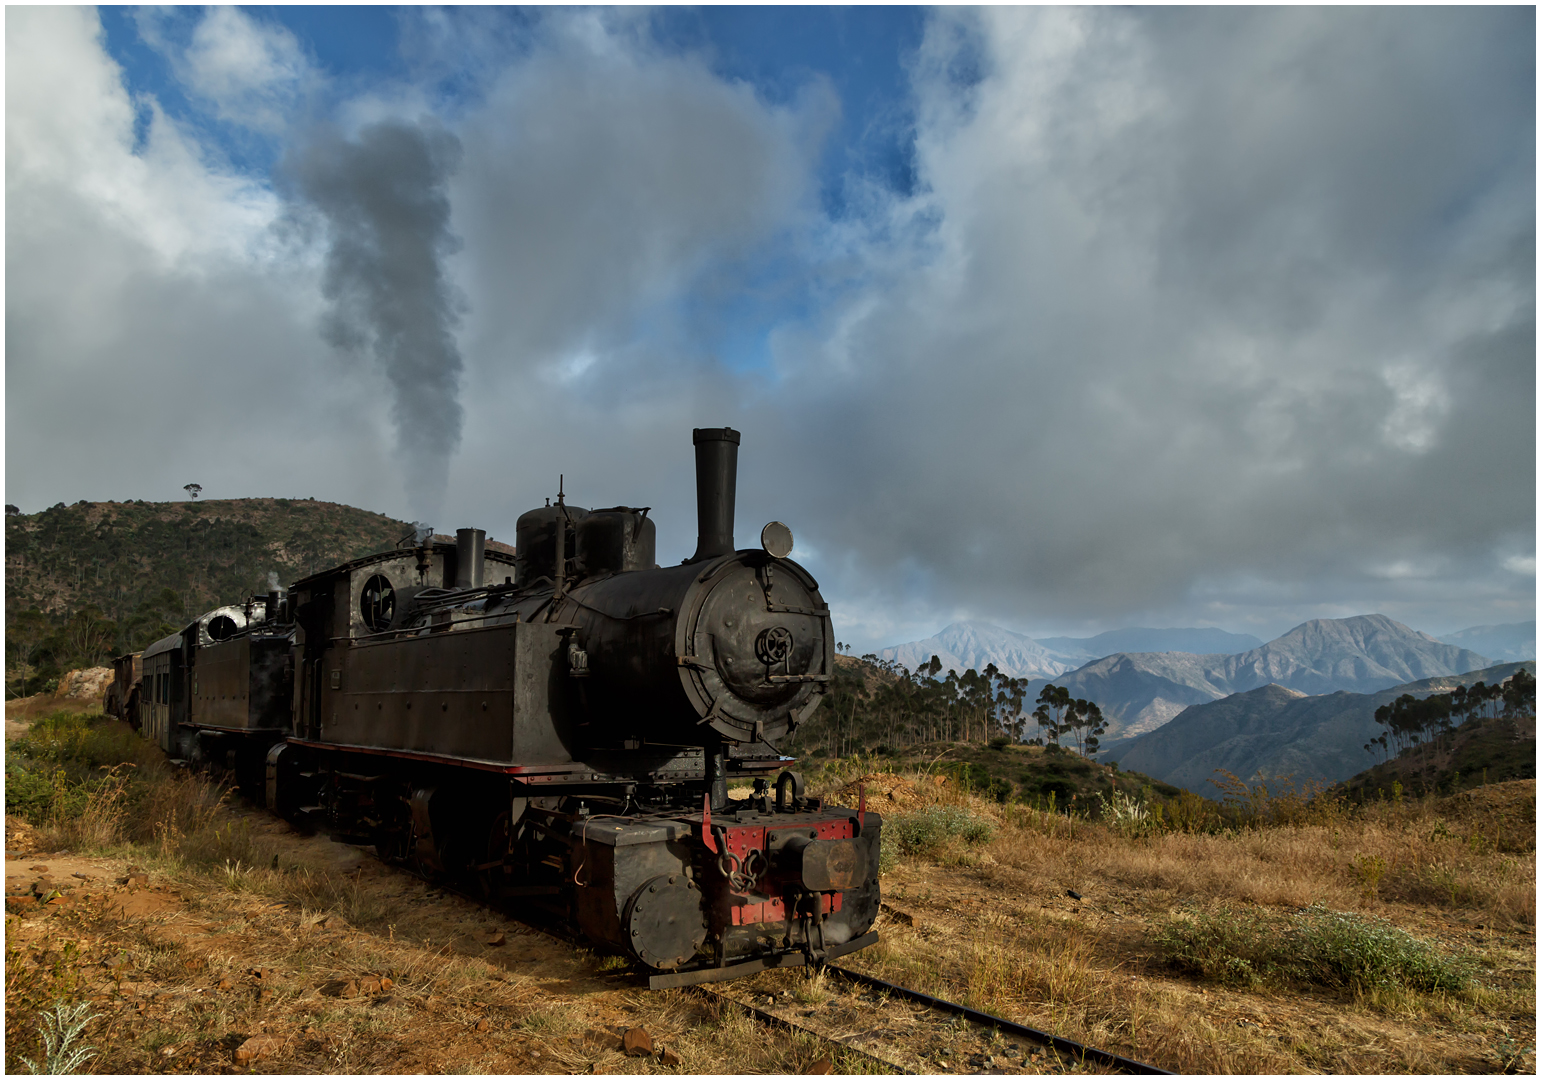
{"type": "Point", "coordinates": [383, 198]}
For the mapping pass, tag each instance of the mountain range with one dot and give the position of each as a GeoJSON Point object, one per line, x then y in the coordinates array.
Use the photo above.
{"type": "Point", "coordinates": [976, 645]}
{"type": "Point", "coordinates": [1206, 639]}
{"type": "Point", "coordinates": [1506, 641]}
{"type": "Point", "coordinates": [1139, 691]}
{"type": "Point", "coordinates": [1278, 731]}
{"type": "Point", "coordinates": [965, 645]}
{"type": "Point", "coordinates": [117, 555]}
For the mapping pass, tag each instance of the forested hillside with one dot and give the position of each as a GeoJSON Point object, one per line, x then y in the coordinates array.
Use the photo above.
{"type": "Point", "coordinates": [88, 580]}
{"type": "Point", "coordinates": [1478, 734]}
{"type": "Point", "coordinates": [1282, 732]}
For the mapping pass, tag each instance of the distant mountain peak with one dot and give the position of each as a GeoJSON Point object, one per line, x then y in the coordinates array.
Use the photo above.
{"type": "Point", "coordinates": [971, 644]}
{"type": "Point", "coordinates": [1502, 641]}
{"type": "Point", "coordinates": [1139, 692]}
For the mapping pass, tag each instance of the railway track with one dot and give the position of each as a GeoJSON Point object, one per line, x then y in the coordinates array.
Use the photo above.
{"type": "Point", "coordinates": [1065, 1048]}
{"type": "Point", "coordinates": [1062, 1053]}
{"type": "Point", "coordinates": [772, 1020]}
{"type": "Point", "coordinates": [1068, 1052]}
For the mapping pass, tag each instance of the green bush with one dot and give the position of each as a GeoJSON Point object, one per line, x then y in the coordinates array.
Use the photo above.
{"type": "Point", "coordinates": [1358, 953]}
{"type": "Point", "coordinates": [1319, 947]}
{"type": "Point", "coordinates": [37, 796]}
{"type": "Point", "coordinates": [88, 740]}
{"type": "Point", "coordinates": [1225, 946]}
{"type": "Point", "coordinates": [28, 792]}
{"type": "Point", "coordinates": [975, 777]}
{"type": "Point", "coordinates": [69, 762]}
{"type": "Point", "coordinates": [925, 832]}
{"type": "Point", "coordinates": [1125, 813]}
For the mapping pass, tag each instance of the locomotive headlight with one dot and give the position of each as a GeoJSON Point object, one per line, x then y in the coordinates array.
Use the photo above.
{"type": "Point", "coordinates": [776, 539]}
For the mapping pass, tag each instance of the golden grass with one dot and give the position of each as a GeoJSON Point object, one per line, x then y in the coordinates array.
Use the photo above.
{"type": "Point", "coordinates": [254, 895]}
{"type": "Point", "coordinates": [1411, 853]}
{"type": "Point", "coordinates": [994, 926]}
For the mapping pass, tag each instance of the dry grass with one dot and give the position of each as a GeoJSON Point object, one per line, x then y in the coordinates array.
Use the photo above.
{"type": "Point", "coordinates": [1421, 853]}
{"type": "Point", "coordinates": [237, 891]}
{"type": "Point", "coordinates": [993, 925]}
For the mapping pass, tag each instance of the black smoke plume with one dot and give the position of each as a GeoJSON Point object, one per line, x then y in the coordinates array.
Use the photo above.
{"type": "Point", "coordinates": [382, 194]}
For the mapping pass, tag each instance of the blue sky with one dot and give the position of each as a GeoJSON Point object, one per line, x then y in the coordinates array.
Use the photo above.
{"type": "Point", "coordinates": [860, 51]}
{"type": "Point", "coordinates": [1066, 319]}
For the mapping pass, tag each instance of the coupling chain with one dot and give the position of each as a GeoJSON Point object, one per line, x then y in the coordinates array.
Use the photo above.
{"type": "Point", "coordinates": [743, 874]}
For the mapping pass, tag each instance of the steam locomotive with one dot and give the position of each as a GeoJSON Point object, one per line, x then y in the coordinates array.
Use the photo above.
{"type": "Point", "coordinates": [566, 736]}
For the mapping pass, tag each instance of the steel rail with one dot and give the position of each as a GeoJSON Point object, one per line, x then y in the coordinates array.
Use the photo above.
{"type": "Point", "coordinates": [1061, 1045]}
{"type": "Point", "coordinates": [706, 990]}
{"type": "Point", "coordinates": [556, 934]}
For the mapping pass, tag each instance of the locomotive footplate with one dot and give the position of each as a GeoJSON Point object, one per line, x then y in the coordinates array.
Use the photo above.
{"type": "Point", "coordinates": [695, 977]}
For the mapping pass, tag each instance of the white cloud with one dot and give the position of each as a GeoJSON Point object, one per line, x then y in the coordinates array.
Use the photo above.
{"type": "Point", "coordinates": [70, 133]}
{"type": "Point", "coordinates": [250, 73]}
{"type": "Point", "coordinates": [601, 182]}
{"type": "Point", "coordinates": [1420, 404]}
{"type": "Point", "coordinates": [1209, 294]}
{"type": "Point", "coordinates": [1191, 314]}
{"type": "Point", "coordinates": [151, 312]}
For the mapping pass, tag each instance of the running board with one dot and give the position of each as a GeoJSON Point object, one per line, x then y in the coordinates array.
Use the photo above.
{"type": "Point", "coordinates": [697, 976]}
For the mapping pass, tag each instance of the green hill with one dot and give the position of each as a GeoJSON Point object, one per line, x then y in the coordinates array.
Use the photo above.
{"type": "Point", "coordinates": [873, 712]}
{"type": "Point", "coordinates": [1483, 750]}
{"type": "Point", "coordinates": [87, 580]}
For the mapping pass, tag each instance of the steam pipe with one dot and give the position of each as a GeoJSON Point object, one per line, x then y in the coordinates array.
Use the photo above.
{"type": "Point", "coordinates": [716, 491]}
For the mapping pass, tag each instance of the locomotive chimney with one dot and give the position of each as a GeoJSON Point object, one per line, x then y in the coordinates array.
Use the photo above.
{"type": "Point", "coordinates": [716, 487]}
{"type": "Point", "coordinates": [470, 546]}
{"type": "Point", "coordinates": [275, 605]}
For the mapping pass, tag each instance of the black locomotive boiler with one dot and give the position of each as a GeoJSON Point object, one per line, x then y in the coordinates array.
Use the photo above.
{"type": "Point", "coordinates": [563, 727]}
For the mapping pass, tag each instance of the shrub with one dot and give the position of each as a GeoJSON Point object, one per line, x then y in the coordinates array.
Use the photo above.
{"type": "Point", "coordinates": [1358, 953]}
{"type": "Point", "coordinates": [1125, 813]}
{"type": "Point", "coordinates": [1190, 813]}
{"type": "Point", "coordinates": [926, 832]}
{"type": "Point", "coordinates": [974, 777]}
{"type": "Point", "coordinates": [28, 792]}
{"type": "Point", "coordinates": [1318, 947]}
{"type": "Point", "coordinates": [82, 740]}
{"type": "Point", "coordinates": [1225, 946]}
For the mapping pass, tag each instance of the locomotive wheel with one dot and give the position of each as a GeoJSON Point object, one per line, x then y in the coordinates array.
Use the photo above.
{"type": "Point", "coordinates": [491, 878]}
{"type": "Point", "coordinates": [393, 839]}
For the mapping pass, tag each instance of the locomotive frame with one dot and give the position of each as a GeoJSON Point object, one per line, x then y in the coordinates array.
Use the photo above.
{"type": "Point", "coordinates": [564, 738]}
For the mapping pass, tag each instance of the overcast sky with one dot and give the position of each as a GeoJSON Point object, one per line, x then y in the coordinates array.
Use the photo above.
{"type": "Point", "coordinates": [1064, 319]}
